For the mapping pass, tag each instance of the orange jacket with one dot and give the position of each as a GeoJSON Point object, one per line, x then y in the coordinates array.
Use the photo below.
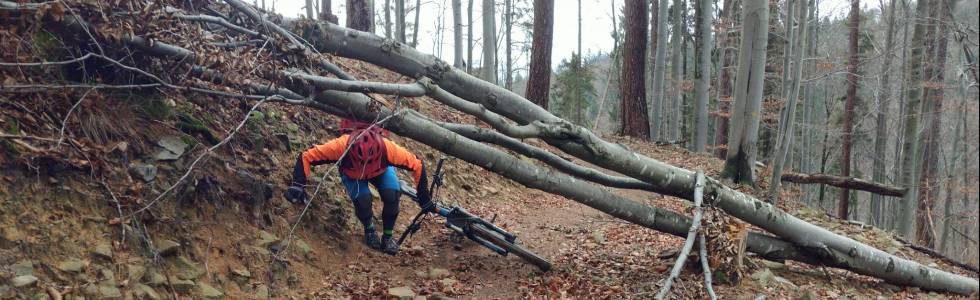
{"type": "Point", "coordinates": [331, 151]}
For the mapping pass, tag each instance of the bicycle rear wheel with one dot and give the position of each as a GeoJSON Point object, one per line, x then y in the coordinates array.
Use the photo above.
{"type": "Point", "coordinates": [499, 240]}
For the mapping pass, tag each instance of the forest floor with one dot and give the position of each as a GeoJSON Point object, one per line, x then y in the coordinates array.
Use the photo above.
{"type": "Point", "coordinates": [217, 234]}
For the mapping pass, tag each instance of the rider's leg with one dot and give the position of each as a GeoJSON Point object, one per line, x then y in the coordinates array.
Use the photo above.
{"type": "Point", "coordinates": [360, 196]}
{"type": "Point", "coordinates": [389, 190]}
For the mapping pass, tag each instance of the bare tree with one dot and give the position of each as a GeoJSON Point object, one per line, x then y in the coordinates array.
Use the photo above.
{"type": "Point", "coordinates": [539, 76]}
{"type": "Point", "coordinates": [843, 204]}
{"type": "Point", "coordinates": [359, 15]}
{"type": "Point", "coordinates": [400, 21]}
{"type": "Point", "coordinates": [784, 140]}
{"type": "Point", "coordinates": [911, 152]}
{"type": "Point", "coordinates": [326, 11]}
{"type": "Point", "coordinates": [633, 105]}
{"type": "Point", "coordinates": [469, 37]}
{"type": "Point", "coordinates": [415, 26]}
{"type": "Point", "coordinates": [509, 64]}
{"type": "Point", "coordinates": [933, 94]}
{"type": "Point", "coordinates": [725, 23]}
{"type": "Point", "coordinates": [310, 13]}
{"type": "Point", "coordinates": [489, 64]}
{"type": "Point", "coordinates": [881, 120]}
{"type": "Point", "coordinates": [704, 76]}
{"type": "Point", "coordinates": [676, 115]}
{"type": "Point", "coordinates": [747, 105]}
{"type": "Point", "coordinates": [457, 33]}
{"type": "Point", "coordinates": [660, 70]}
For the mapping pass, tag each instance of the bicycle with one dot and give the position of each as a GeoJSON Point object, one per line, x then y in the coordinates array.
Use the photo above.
{"type": "Point", "coordinates": [465, 224]}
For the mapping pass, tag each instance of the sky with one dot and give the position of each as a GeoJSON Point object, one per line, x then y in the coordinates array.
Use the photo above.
{"type": "Point", "coordinates": [596, 25]}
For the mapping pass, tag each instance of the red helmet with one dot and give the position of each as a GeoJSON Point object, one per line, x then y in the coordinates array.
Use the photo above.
{"type": "Point", "coordinates": [367, 157]}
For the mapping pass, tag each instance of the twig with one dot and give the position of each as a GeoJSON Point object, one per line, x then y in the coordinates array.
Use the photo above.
{"type": "Point", "coordinates": [47, 63]}
{"type": "Point", "coordinates": [692, 234]}
{"type": "Point", "coordinates": [118, 208]}
{"type": "Point", "coordinates": [705, 266]}
{"type": "Point", "coordinates": [61, 132]}
{"type": "Point", "coordinates": [206, 153]}
{"type": "Point", "coordinates": [26, 137]}
{"type": "Point", "coordinates": [940, 256]}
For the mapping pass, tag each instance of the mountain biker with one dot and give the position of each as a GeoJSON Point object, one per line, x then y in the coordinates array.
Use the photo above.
{"type": "Point", "coordinates": [365, 156]}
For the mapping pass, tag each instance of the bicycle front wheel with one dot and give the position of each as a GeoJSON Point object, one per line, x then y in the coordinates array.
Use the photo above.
{"type": "Point", "coordinates": [499, 240]}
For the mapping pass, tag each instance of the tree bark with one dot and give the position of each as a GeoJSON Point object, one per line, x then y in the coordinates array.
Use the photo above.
{"type": "Point", "coordinates": [326, 11]}
{"type": "Point", "coordinates": [415, 27]}
{"type": "Point", "coordinates": [509, 65]}
{"type": "Point", "coordinates": [539, 75]}
{"type": "Point", "coordinates": [310, 14]}
{"type": "Point", "coordinates": [660, 70]}
{"type": "Point", "coordinates": [881, 121]}
{"type": "Point", "coordinates": [933, 93]}
{"type": "Point", "coordinates": [489, 64]}
{"type": "Point", "coordinates": [747, 105]}
{"type": "Point", "coordinates": [845, 182]}
{"type": "Point", "coordinates": [676, 115]}
{"type": "Point", "coordinates": [400, 20]}
{"type": "Point", "coordinates": [387, 14]}
{"type": "Point", "coordinates": [669, 180]}
{"type": "Point", "coordinates": [469, 37]}
{"type": "Point", "coordinates": [843, 204]}
{"type": "Point", "coordinates": [725, 23]}
{"type": "Point", "coordinates": [704, 76]}
{"type": "Point", "coordinates": [457, 34]}
{"type": "Point", "coordinates": [633, 106]}
{"type": "Point", "coordinates": [784, 140]}
{"type": "Point", "coordinates": [359, 16]}
{"type": "Point", "coordinates": [951, 178]}
{"type": "Point", "coordinates": [910, 152]}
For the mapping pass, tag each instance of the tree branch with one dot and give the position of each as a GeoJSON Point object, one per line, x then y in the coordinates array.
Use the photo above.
{"type": "Point", "coordinates": [692, 234]}
{"type": "Point", "coordinates": [845, 182]}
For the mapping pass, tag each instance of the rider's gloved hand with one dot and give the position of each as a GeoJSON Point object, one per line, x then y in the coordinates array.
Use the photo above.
{"type": "Point", "coordinates": [425, 198]}
{"type": "Point", "coordinates": [296, 195]}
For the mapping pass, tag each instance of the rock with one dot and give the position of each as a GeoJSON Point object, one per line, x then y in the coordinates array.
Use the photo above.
{"type": "Point", "coordinates": [71, 266]}
{"type": "Point", "coordinates": [763, 278]}
{"type": "Point", "coordinates": [147, 172]}
{"type": "Point", "coordinates": [185, 268]}
{"type": "Point", "coordinates": [401, 292]}
{"type": "Point", "coordinates": [41, 296]}
{"type": "Point", "coordinates": [440, 296]}
{"type": "Point", "coordinates": [266, 239]}
{"type": "Point", "coordinates": [209, 292]}
{"type": "Point", "coordinates": [23, 267]}
{"type": "Point", "coordinates": [10, 237]}
{"type": "Point", "coordinates": [240, 276]}
{"type": "Point", "coordinates": [102, 250]}
{"type": "Point", "coordinates": [437, 273]}
{"type": "Point", "coordinates": [786, 282]}
{"type": "Point", "coordinates": [167, 247]}
{"type": "Point", "coordinates": [108, 291]}
{"type": "Point", "coordinates": [23, 280]}
{"type": "Point", "coordinates": [172, 148]}
{"type": "Point", "coordinates": [181, 285]}
{"type": "Point", "coordinates": [261, 292]}
{"type": "Point", "coordinates": [772, 265]}
{"type": "Point", "coordinates": [142, 291]}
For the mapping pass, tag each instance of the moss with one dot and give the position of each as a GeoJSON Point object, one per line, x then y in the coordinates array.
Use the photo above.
{"type": "Point", "coordinates": [154, 108]}
{"type": "Point", "coordinates": [48, 46]}
{"type": "Point", "coordinates": [192, 126]}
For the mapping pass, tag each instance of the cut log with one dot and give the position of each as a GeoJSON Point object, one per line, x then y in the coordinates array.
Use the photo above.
{"type": "Point", "coordinates": [845, 182]}
{"type": "Point", "coordinates": [833, 248]}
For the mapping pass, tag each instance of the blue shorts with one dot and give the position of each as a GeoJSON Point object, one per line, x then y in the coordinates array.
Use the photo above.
{"type": "Point", "coordinates": [356, 188]}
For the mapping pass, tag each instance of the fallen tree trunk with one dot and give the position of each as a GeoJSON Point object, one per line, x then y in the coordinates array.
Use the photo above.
{"type": "Point", "coordinates": [845, 182]}
{"type": "Point", "coordinates": [833, 248]}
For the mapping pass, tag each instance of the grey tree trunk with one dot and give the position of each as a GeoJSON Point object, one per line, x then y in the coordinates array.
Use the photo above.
{"type": "Point", "coordinates": [457, 34]}
{"type": "Point", "coordinates": [359, 15]}
{"type": "Point", "coordinates": [843, 204]}
{"type": "Point", "coordinates": [489, 64]}
{"type": "Point", "coordinates": [509, 65]}
{"type": "Point", "coordinates": [670, 180]}
{"type": "Point", "coordinates": [415, 27]}
{"type": "Point", "coordinates": [910, 153]}
{"type": "Point", "coordinates": [951, 178]}
{"type": "Point", "coordinates": [881, 135]}
{"type": "Point", "coordinates": [310, 12]}
{"type": "Point", "coordinates": [726, 57]}
{"type": "Point", "coordinates": [788, 48]}
{"type": "Point", "coordinates": [400, 20]}
{"type": "Point", "coordinates": [660, 70]}
{"type": "Point", "coordinates": [702, 85]}
{"type": "Point", "coordinates": [387, 14]}
{"type": "Point", "coordinates": [784, 140]}
{"type": "Point", "coordinates": [469, 37]}
{"type": "Point", "coordinates": [676, 76]}
{"type": "Point", "coordinates": [746, 107]}
{"type": "Point", "coordinates": [650, 66]}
